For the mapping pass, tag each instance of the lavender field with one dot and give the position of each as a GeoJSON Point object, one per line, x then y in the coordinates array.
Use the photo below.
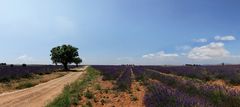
{"type": "Point", "coordinates": [180, 86]}
{"type": "Point", "coordinates": [8, 72]}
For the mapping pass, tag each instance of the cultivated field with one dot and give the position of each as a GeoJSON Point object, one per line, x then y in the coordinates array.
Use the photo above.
{"type": "Point", "coordinates": [132, 86]}
{"type": "Point", "coordinates": [164, 86]}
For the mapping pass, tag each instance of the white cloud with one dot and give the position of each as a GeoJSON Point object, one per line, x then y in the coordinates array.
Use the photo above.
{"type": "Point", "coordinates": [210, 51]}
{"type": "Point", "coordinates": [225, 38]}
{"type": "Point", "coordinates": [160, 54]}
{"type": "Point", "coordinates": [24, 59]}
{"type": "Point", "coordinates": [200, 40]}
{"type": "Point", "coordinates": [160, 58]}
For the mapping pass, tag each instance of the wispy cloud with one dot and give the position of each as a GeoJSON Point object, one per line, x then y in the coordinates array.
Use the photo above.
{"type": "Point", "coordinates": [202, 40]}
{"type": "Point", "coordinates": [183, 48]}
{"type": "Point", "coordinates": [25, 59]}
{"type": "Point", "coordinates": [225, 38]}
{"type": "Point", "coordinates": [160, 54]}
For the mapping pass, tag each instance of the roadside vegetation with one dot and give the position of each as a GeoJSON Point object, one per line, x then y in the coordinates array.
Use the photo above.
{"type": "Point", "coordinates": [72, 93]}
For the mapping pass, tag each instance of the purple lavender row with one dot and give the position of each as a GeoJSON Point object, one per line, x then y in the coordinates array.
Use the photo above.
{"type": "Point", "coordinates": [20, 71]}
{"type": "Point", "coordinates": [230, 73]}
{"type": "Point", "coordinates": [160, 95]}
{"type": "Point", "coordinates": [139, 72]}
{"type": "Point", "coordinates": [109, 72]}
{"type": "Point", "coordinates": [124, 81]}
{"type": "Point", "coordinates": [218, 94]}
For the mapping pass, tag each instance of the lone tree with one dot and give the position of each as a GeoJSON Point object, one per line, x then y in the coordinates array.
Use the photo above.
{"type": "Point", "coordinates": [77, 61]}
{"type": "Point", "coordinates": [65, 54]}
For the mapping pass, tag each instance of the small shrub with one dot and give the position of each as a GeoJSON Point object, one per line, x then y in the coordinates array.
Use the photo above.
{"type": "Point", "coordinates": [25, 85]}
{"type": "Point", "coordinates": [138, 89]}
{"type": "Point", "coordinates": [88, 104]}
{"type": "Point", "coordinates": [88, 94]}
{"type": "Point", "coordinates": [48, 72]}
{"type": "Point", "coordinates": [79, 97]}
{"type": "Point", "coordinates": [95, 99]}
{"type": "Point", "coordinates": [24, 65]}
{"type": "Point", "coordinates": [123, 87]}
{"type": "Point", "coordinates": [217, 97]}
{"type": "Point", "coordinates": [102, 101]}
{"type": "Point", "coordinates": [41, 73]}
{"type": "Point", "coordinates": [171, 82]}
{"type": "Point", "coordinates": [98, 87]}
{"type": "Point", "coordinates": [75, 101]}
{"type": "Point", "coordinates": [28, 75]}
{"type": "Point", "coordinates": [115, 95]}
{"type": "Point", "coordinates": [129, 92]}
{"type": "Point", "coordinates": [141, 78]}
{"type": "Point", "coordinates": [133, 98]}
{"type": "Point", "coordinates": [3, 64]}
{"type": "Point", "coordinates": [106, 91]}
{"type": "Point", "coordinates": [5, 79]}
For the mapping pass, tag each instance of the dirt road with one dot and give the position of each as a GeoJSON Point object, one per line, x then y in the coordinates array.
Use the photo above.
{"type": "Point", "coordinates": [40, 95]}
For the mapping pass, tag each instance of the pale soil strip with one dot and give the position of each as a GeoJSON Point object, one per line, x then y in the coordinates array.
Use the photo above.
{"type": "Point", "coordinates": [40, 95]}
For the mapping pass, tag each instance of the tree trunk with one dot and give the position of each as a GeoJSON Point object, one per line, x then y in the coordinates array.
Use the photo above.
{"type": "Point", "coordinates": [65, 66]}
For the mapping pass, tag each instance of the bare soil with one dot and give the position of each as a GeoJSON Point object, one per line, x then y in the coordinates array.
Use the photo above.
{"type": "Point", "coordinates": [107, 96]}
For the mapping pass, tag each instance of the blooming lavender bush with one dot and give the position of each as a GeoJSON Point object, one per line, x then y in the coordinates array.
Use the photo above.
{"type": "Point", "coordinates": [111, 72]}
{"type": "Point", "coordinates": [124, 81]}
{"type": "Point", "coordinates": [229, 73]}
{"type": "Point", "coordinates": [219, 95]}
{"type": "Point", "coordinates": [139, 73]}
{"type": "Point", "coordinates": [160, 95]}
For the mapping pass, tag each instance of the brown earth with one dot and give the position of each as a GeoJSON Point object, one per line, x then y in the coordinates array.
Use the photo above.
{"type": "Point", "coordinates": [39, 95]}
{"type": "Point", "coordinates": [107, 96]}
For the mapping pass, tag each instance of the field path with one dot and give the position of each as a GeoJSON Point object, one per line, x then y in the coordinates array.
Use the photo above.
{"type": "Point", "coordinates": [39, 95]}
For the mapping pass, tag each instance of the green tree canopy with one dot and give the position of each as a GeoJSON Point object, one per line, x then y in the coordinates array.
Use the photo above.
{"type": "Point", "coordinates": [65, 54]}
{"type": "Point", "coordinates": [77, 61]}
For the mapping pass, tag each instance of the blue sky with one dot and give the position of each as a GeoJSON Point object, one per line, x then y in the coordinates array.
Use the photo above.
{"type": "Point", "coordinates": [122, 31]}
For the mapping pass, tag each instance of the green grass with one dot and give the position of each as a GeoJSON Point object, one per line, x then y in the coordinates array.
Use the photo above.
{"type": "Point", "coordinates": [72, 93]}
